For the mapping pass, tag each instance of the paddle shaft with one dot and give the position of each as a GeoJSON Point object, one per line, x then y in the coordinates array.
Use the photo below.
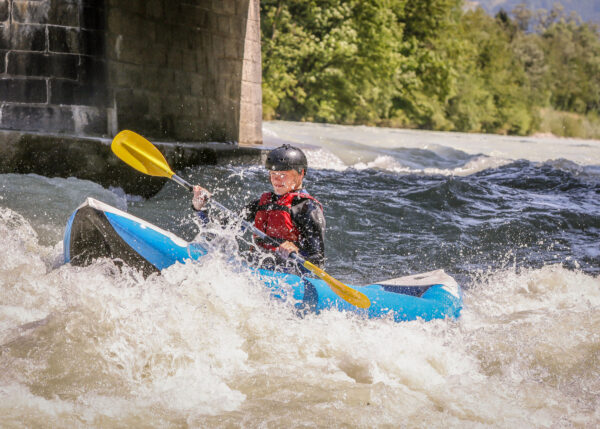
{"type": "Point", "coordinates": [142, 155]}
{"type": "Point", "coordinates": [229, 213]}
{"type": "Point", "coordinates": [352, 296]}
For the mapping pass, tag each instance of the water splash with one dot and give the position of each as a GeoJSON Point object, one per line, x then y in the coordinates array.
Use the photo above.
{"type": "Point", "coordinates": [204, 344]}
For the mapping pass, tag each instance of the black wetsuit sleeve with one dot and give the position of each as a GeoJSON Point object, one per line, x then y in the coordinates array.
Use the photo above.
{"type": "Point", "coordinates": [250, 210]}
{"type": "Point", "coordinates": [308, 217]}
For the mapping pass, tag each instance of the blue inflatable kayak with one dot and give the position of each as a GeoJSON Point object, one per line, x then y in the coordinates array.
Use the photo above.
{"type": "Point", "coordinates": [97, 230]}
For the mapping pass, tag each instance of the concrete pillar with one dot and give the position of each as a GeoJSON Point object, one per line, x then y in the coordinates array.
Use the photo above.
{"type": "Point", "coordinates": [177, 68]}
{"type": "Point", "coordinates": [251, 89]}
{"type": "Point", "coordinates": [52, 68]}
{"type": "Point", "coordinates": [169, 69]}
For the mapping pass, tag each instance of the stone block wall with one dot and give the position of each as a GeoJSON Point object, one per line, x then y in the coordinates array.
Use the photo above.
{"type": "Point", "coordinates": [251, 85]}
{"type": "Point", "coordinates": [186, 70]}
{"type": "Point", "coordinates": [52, 67]}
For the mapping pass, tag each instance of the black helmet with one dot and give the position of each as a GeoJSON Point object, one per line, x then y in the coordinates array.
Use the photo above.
{"type": "Point", "coordinates": [286, 157]}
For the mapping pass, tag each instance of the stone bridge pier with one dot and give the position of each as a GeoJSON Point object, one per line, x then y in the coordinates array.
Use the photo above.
{"type": "Point", "coordinates": [172, 70]}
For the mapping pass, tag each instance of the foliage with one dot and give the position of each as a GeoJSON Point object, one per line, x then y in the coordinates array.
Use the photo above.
{"type": "Point", "coordinates": [329, 60]}
{"type": "Point", "coordinates": [427, 64]}
{"type": "Point", "coordinates": [573, 56]}
{"type": "Point", "coordinates": [493, 91]}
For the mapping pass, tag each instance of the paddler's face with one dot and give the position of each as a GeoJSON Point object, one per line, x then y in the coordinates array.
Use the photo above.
{"type": "Point", "coordinates": [286, 181]}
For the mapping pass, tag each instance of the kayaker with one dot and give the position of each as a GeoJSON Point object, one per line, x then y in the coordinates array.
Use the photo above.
{"type": "Point", "coordinates": [289, 214]}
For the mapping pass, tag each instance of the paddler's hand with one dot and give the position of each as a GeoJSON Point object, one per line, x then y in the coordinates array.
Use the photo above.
{"type": "Point", "coordinates": [286, 249]}
{"type": "Point", "coordinates": [201, 196]}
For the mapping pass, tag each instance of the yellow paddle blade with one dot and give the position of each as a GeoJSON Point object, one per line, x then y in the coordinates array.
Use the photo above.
{"type": "Point", "coordinates": [348, 294]}
{"type": "Point", "coordinates": [139, 153]}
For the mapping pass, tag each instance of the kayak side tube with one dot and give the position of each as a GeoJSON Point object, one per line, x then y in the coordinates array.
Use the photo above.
{"type": "Point", "coordinates": [97, 230]}
{"type": "Point", "coordinates": [427, 296]}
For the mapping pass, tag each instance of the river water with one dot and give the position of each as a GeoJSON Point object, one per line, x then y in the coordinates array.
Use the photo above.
{"type": "Point", "coordinates": [515, 220]}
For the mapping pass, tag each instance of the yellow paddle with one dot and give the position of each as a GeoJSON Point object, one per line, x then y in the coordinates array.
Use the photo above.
{"type": "Point", "coordinates": [142, 155]}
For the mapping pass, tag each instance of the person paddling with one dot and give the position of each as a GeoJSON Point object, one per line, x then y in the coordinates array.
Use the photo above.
{"type": "Point", "coordinates": [288, 214]}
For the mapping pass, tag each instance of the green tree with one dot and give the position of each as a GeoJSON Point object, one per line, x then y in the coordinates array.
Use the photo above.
{"type": "Point", "coordinates": [572, 51]}
{"type": "Point", "coordinates": [329, 60]}
{"type": "Point", "coordinates": [425, 78]}
{"type": "Point", "coordinates": [426, 64]}
{"type": "Point", "coordinates": [492, 91]}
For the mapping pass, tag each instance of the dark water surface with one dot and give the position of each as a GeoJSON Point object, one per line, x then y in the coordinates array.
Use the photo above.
{"type": "Point", "coordinates": [382, 225]}
{"type": "Point", "coordinates": [516, 221]}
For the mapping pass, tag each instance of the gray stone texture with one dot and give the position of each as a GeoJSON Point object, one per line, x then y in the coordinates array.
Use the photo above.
{"type": "Point", "coordinates": [24, 90]}
{"type": "Point", "coordinates": [177, 68]}
{"type": "Point", "coordinates": [23, 37]}
{"type": "Point", "coordinates": [52, 67]}
{"type": "Point", "coordinates": [3, 10]}
{"type": "Point", "coordinates": [91, 158]}
{"type": "Point", "coordinates": [52, 119]}
{"type": "Point", "coordinates": [183, 70]}
{"type": "Point", "coordinates": [36, 64]}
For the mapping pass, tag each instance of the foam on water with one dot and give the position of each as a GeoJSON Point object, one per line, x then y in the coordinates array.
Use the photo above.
{"type": "Point", "coordinates": [319, 158]}
{"type": "Point", "coordinates": [392, 165]}
{"type": "Point", "coordinates": [341, 146]}
{"type": "Point", "coordinates": [47, 201]}
{"type": "Point", "coordinates": [204, 345]}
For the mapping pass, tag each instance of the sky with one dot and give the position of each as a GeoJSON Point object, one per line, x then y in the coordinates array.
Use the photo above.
{"type": "Point", "coordinates": [589, 10]}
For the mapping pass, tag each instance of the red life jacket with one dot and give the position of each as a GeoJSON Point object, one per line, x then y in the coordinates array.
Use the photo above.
{"type": "Point", "coordinates": [275, 218]}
